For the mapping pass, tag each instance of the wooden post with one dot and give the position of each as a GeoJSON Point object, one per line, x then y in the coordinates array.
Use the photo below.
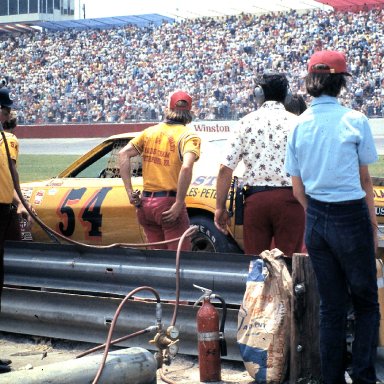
{"type": "Point", "coordinates": [305, 352]}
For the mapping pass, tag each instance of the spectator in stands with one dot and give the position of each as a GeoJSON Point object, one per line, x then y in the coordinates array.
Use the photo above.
{"type": "Point", "coordinates": [74, 70]}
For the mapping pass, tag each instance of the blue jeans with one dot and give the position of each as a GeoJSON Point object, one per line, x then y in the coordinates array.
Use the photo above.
{"type": "Point", "coordinates": [339, 239]}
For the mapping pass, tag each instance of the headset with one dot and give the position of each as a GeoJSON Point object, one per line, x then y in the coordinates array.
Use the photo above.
{"type": "Point", "coordinates": [259, 95]}
{"type": "Point", "coordinates": [259, 92]}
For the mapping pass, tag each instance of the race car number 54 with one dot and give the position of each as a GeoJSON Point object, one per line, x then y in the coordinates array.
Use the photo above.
{"type": "Point", "coordinates": [89, 215]}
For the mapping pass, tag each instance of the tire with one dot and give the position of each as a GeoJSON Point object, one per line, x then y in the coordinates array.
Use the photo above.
{"type": "Point", "coordinates": [209, 238]}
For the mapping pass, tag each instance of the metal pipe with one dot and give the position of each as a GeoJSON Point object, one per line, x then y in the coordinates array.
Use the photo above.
{"type": "Point", "coordinates": [133, 365]}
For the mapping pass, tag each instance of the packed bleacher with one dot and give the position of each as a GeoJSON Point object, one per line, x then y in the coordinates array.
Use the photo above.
{"type": "Point", "coordinates": [125, 74]}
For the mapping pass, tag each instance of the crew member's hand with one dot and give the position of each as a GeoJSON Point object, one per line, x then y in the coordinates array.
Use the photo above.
{"type": "Point", "coordinates": [134, 197]}
{"type": "Point", "coordinates": [21, 210]}
{"type": "Point", "coordinates": [222, 220]}
{"type": "Point", "coordinates": [173, 213]}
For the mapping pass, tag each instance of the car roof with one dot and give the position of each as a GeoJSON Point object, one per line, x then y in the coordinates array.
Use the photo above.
{"type": "Point", "coordinates": [127, 135]}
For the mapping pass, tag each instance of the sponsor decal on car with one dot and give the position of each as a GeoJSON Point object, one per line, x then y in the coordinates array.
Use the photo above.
{"type": "Point", "coordinates": [27, 193]}
{"type": "Point", "coordinates": [55, 183]}
{"type": "Point", "coordinates": [39, 197]}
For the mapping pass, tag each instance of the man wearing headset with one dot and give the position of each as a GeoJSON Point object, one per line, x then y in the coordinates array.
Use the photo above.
{"type": "Point", "coordinates": [271, 212]}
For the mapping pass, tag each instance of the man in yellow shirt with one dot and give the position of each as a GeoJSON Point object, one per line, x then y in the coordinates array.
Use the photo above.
{"type": "Point", "coordinates": [7, 192]}
{"type": "Point", "coordinates": [169, 150]}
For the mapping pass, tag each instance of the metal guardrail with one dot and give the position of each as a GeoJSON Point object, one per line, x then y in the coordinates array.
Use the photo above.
{"type": "Point", "coordinates": [118, 271]}
{"type": "Point", "coordinates": [88, 318]}
{"type": "Point", "coordinates": [67, 292]}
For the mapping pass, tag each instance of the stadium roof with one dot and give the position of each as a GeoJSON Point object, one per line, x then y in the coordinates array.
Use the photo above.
{"type": "Point", "coordinates": [201, 8]}
{"type": "Point", "coordinates": [16, 27]}
{"type": "Point", "coordinates": [342, 5]}
{"type": "Point", "coordinates": [171, 10]}
{"type": "Point", "coordinates": [105, 22]}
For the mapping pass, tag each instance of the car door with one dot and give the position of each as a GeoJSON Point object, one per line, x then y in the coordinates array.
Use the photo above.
{"type": "Point", "coordinates": [88, 202]}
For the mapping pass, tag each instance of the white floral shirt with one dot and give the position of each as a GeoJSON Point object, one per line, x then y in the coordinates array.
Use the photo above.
{"type": "Point", "coordinates": [260, 140]}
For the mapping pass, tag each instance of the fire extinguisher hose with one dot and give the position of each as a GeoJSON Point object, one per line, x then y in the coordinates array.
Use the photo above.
{"type": "Point", "coordinates": [224, 313]}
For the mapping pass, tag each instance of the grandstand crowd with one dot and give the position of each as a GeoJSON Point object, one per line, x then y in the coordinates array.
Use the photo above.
{"type": "Point", "coordinates": [125, 74]}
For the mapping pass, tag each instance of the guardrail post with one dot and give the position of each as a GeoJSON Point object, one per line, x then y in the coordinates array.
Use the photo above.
{"type": "Point", "coordinates": [305, 353]}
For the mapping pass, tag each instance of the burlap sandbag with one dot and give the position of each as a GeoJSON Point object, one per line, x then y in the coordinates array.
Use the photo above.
{"type": "Point", "coordinates": [265, 317]}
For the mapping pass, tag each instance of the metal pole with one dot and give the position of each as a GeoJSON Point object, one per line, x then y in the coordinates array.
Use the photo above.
{"type": "Point", "coordinates": [133, 365]}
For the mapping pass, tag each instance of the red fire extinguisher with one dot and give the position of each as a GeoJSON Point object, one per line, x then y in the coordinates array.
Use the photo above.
{"type": "Point", "coordinates": [211, 342]}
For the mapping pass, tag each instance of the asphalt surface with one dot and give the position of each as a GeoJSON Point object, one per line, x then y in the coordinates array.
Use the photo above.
{"type": "Point", "coordinates": [80, 146]}
{"type": "Point", "coordinates": [57, 146]}
{"type": "Point", "coordinates": [379, 140]}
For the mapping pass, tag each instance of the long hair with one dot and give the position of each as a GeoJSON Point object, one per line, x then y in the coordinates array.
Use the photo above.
{"type": "Point", "coordinates": [330, 84]}
{"type": "Point", "coordinates": [11, 123]}
{"type": "Point", "coordinates": [182, 117]}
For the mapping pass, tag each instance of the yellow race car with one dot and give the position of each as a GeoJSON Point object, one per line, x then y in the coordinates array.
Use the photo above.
{"type": "Point", "coordinates": [378, 190]}
{"type": "Point", "coordinates": [87, 202]}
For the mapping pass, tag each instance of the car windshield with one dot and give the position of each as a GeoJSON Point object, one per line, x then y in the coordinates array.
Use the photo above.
{"type": "Point", "coordinates": [104, 164]}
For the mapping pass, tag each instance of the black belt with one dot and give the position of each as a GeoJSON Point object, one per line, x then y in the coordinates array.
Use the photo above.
{"type": "Point", "coordinates": [335, 203]}
{"type": "Point", "coordinates": [350, 202]}
{"type": "Point", "coordinates": [248, 191]}
{"type": "Point", "coordinates": [159, 194]}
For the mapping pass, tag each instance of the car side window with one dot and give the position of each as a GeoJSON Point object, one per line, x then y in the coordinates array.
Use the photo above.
{"type": "Point", "coordinates": [106, 164]}
{"type": "Point", "coordinates": [94, 169]}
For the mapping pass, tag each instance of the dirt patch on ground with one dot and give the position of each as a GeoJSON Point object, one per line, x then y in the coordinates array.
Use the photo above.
{"type": "Point", "coordinates": [27, 352]}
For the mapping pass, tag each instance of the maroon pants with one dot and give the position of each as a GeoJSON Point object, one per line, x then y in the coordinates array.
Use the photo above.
{"type": "Point", "coordinates": [149, 216]}
{"type": "Point", "coordinates": [273, 215]}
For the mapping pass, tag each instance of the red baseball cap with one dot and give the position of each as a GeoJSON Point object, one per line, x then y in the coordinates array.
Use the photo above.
{"type": "Point", "coordinates": [334, 60]}
{"type": "Point", "coordinates": [177, 96]}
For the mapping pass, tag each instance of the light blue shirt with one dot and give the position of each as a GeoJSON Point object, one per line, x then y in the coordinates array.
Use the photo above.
{"type": "Point", "coordinates": [326, 148]}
